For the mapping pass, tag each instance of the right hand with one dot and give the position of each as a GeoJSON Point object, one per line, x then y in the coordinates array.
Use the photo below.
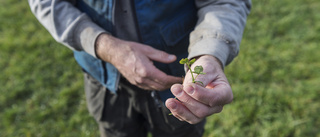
{"type": "Point", "coordinates": [135, 62]}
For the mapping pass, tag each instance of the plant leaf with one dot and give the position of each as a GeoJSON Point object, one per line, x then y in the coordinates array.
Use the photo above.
{"type": "Point", "coordinates": [184, 61]}
{"type": "Point", "coordinates": [198, 70]}
{"type": "Point", "coordinates": [192, 61]}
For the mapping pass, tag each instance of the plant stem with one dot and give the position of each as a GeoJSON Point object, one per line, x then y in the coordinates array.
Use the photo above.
{"type": "Point", "coordinates": [196, 77]}
{"type": "Point", "coordinates": [193, 79]}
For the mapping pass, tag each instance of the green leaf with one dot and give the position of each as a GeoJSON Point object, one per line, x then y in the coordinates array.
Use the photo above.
{"type": "Point", "coordinates": [198, 70]}
{"type": "Point", "coordinates": [184, 61]}
{"type": "Point", "coordinates": [192, 61]}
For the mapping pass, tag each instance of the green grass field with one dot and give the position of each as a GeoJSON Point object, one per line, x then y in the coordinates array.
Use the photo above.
{"type": "Point", "coordinates": [275, 78]}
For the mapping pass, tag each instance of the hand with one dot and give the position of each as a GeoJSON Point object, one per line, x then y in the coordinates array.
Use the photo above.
{"type": "Point", "coordinates": [196, 101]}
{"type": "Point", "coordinates": [135, 62]}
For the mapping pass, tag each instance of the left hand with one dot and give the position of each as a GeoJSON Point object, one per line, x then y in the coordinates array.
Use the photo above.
{"type": "Point", "coordinates": [197, 101]}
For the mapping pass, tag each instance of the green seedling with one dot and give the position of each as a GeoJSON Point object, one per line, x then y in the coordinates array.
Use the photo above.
{"type": "Point", "coordinates": [198, 70]}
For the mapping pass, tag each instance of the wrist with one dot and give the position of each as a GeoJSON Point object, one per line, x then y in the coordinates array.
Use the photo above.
{"type": "Point", "coordinates": [104, 43]}
{"type": "Point", "coordinates": [213, 59]}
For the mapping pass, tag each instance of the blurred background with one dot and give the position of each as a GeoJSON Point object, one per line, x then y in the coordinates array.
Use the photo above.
{"type": "Point", "coordinates": [275, 78]}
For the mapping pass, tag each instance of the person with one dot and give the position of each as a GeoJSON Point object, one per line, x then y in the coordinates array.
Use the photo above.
{"type": "Point", "coordinates": [129, 52]}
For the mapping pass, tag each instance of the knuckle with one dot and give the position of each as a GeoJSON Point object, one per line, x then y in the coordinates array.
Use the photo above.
{"type": "Point", "coordinates": [201, 113]}
{"type": "Point", "coordinates": [142, 72]}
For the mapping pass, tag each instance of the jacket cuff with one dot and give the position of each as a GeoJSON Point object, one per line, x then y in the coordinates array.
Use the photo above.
{"type": "Point", "coordinates": [211, 46]}
{"type": "Point", "coordinates": [85, 35]}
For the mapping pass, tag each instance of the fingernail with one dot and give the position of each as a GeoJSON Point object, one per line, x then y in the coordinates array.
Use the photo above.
{"type": "Point", "coordinates": [172, 57]}
{"type": "Point", "coordinates": [172, 105]}
{"type": "Point", "coordinates": [189, 90]}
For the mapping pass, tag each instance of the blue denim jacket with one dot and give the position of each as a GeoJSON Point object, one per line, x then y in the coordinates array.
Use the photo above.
{"type": "Point", "coordinates": [164, 25]}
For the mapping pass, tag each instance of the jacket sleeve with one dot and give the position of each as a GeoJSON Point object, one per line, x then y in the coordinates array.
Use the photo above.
{"type": "Point", "coordinates": [219, 28]}
{"type": "Point", "coordinates": [67, 24]}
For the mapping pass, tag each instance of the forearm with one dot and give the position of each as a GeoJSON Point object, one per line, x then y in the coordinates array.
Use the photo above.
{"type": "Point", "coordinates": [106, 46]}
{"type": "Point", "coordinates": [67, 24]}
{"type": "Point", "coordinates": [219, 28]}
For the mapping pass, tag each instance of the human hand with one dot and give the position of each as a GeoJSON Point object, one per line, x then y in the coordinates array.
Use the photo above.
{"type": "Point", "coordinates": [135, 62]}
{"type": "Point", "coordinates": [196, 101]}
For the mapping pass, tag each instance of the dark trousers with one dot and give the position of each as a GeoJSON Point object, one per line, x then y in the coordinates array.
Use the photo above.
{"type": "Point", "coordinates": [133, 112]}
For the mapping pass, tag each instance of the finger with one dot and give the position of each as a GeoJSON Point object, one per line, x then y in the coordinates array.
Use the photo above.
{"type": "Point", "coordinates": [199, 109]}
{"type": "Point", "coordinates": [161, 77]}
{"type": "Point", "coordinates": [157, 76]}
{"type": "Point", "coordinates": [158, 55]}
{"type": "Point", "coordinates": [181, 112]}
{"type": "Point", "coordinates": [219, 95]}
{"type": "Point", "coordinates": [154, 79]}
{"type": "Point", "coordinates": [167, 79]}
{"type": "Point", "coordinates": [150, 84]}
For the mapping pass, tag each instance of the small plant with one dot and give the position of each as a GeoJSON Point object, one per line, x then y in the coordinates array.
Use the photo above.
{"type": "Point", "coordinates": [197, 70]}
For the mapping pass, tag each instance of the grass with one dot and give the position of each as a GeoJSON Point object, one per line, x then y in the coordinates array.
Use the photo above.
{"type": "Point", "coordinates": [275, 78]}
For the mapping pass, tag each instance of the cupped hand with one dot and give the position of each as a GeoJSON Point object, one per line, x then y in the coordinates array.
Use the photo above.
{"type": "Point", "coordinates": [197, 101]}
{"type": "Point", "coordinates": [135, 62]}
